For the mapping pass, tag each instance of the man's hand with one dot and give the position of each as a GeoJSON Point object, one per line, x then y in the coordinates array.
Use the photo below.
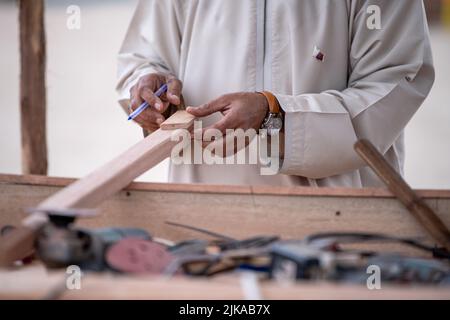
{"type": "Point", "coordinates": [241, 110]}
{"type": "Point", "coordinates": [144, 90]}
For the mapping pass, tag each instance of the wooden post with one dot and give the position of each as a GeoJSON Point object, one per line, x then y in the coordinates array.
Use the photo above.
{"type": "Point", "coordinates": [32, 87]}
{"type": "Point", "coordinates": [446, 13]}
{"type": "Point", "coordinates": [398, 186]}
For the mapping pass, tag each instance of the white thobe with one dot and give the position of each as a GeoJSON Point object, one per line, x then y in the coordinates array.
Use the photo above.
{"type": "Point", "coordinates": [372, 80]}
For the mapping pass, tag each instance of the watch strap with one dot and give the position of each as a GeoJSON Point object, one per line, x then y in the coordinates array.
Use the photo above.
{"type": "Point", "coordinates": [274, 105]}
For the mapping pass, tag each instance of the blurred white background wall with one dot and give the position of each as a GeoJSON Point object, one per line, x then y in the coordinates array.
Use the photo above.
{"type": "Point", "coordinates": [86, 127]}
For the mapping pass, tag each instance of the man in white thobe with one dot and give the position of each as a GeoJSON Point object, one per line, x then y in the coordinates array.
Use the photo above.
{"type": "Point", "coordinates": [341, 70]}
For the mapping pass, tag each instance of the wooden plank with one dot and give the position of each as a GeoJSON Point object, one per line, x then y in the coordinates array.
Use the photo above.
{"type": "Point", "coordinates": [115, 175]}
{"type": "Point", "coordinates": [180, 120]}
{"type": "Point", "coordinates": [90, 191]}
{"type": "Point", "coordinates": [36, 180]}
{"type": "Point", "coordinates": [32, 87]}
{"type": "Point", "coordinates": [237, 215]}
{"type": "Point", "coordinates": [37, 283]}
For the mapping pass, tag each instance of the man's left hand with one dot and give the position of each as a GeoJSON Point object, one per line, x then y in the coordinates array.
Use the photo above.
{"type": "Point", "coordinates": [242, 110]}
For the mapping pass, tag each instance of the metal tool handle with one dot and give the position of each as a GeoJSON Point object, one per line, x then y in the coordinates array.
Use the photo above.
{"type": "Point", "coordinates": [398, 186]}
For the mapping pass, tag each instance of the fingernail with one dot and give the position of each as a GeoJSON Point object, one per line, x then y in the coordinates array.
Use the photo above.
{"type": "Point", "coordinates": [158, 106]}
{"type": "Point", "coordinates": [189, 109]}
{"type": "Point", "coordinates": [160, 121]}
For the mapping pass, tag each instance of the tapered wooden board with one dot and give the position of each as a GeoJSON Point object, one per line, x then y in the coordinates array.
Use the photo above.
{"type": "Point", "coordinates": [180, 120]}
{"type": "Point", "coordinates": [92, 190]}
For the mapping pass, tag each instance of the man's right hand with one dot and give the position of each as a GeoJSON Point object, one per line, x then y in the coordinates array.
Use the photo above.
{"type": "Point", "coordinates": [144, 90]}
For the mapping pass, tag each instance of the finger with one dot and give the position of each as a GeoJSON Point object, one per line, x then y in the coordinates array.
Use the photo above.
{"type": "Point", "coordinates": [150, 118]}
{"type": "Point", "coordinates": [136, 99]}
{"type": "Point", "coordinates": [174, 91]}
{"type": "Point", "coordinates": [221, 125]}
{"type": "Point", "coordinates": [155, 102]}
{"type": "Point", "coordinates": [149, 126]}
{"type": "Point", "coordinates": [208, 108]}
{"type": "Point", "coordinates": [153, 117]}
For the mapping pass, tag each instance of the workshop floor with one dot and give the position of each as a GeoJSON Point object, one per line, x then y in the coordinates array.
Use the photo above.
{"type": "Point", "coordinates": [86, 127]}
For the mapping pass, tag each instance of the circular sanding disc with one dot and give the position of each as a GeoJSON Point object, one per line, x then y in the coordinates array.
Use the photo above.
{"type": "Point", "coordinates": [133, 255]}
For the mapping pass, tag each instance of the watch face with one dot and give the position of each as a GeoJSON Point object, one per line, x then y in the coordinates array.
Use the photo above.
{"type": "Point", "coordinates": [273, 124]}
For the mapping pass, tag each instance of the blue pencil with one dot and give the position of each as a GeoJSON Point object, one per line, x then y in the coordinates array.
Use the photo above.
{"type": "Point", "coordinates": [145, 105]}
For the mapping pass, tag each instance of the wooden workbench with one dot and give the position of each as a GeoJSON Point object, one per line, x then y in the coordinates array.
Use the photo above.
{"type": "Point", "coordinates": [238, 211]}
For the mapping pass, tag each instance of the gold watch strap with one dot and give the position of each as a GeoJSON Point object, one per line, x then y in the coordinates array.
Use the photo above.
{"type": "Point", "coordinates": [274, 105]}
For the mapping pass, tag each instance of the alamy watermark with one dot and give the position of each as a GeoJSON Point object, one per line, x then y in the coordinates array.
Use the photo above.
{"type": "Point", "coordinates": [74, 17]}
{"type": "Point", "coordinates": [237, 146]}
{"type": "Point", "coordinates": [373, 22]}
{"type": "Point", "coordinates": [374, 280]}
{"type": "Point", "coordinates": [73, 280]}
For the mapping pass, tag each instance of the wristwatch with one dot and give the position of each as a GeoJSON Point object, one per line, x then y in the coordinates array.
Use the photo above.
{"type": "Point", "coordinates": [273, 122]}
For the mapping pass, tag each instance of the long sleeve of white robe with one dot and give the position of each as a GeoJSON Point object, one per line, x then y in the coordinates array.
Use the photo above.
{"type": "Point", "coordinates": [391, 73]}
{"type": "Point", "coordinates": [152, 45]}
{"type": "Point", "coordinates": [369, 85]}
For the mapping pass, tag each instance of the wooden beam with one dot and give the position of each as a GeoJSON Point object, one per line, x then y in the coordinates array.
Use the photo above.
{"type": "Point", "coordinates": [180, 120]}
{"type": "Point", "coordinates": [115, 175]}
{"type": "Point", "coordinates": [32, 87]}
{"type": "Point", "coordinates": [91, 191]}
{"type": "Point", "coordinates": [45, 181]}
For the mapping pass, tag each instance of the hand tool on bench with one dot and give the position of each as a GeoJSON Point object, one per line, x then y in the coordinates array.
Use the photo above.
{"type": "Point", "coordinates": [59, 244]}
{"type": "Point", "coordinates": [303, 260]}
{"type": "Point", "coordinates": [139, 256]}
{"type": "Point", "coordinates": [225, 242]}
{"type": "Point", "coordinates": [398, 186]}
{"type": "Point", "coordinates": [90, 191]}
{"type": "Point", "coordinates": [199, 257]}
{"type": "Point", "coordinates": [201, 230]}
